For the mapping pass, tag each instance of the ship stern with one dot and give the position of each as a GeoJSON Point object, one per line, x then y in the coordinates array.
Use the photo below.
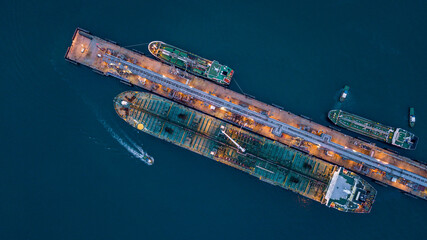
{"type": "Point", "coordinates": [333, 115]}
{"type": "Point", "coordinates": [154, 47]}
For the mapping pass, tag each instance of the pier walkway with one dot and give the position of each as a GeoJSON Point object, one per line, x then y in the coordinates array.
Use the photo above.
{"type": "Point", "coordinates": [278, 128]}
{"type": "Point", "coordinates": [133, 68]}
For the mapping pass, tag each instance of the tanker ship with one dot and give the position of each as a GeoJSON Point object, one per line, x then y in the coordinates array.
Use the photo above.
{"type": "Point", "coordinates": [191, 63]}
{"type": "Point", "coordinates": [395, 136]}
{"type": "Point", "coordinates": [268, 160]}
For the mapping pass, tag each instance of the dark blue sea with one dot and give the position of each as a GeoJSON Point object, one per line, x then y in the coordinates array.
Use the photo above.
{"type": "Point", "coordinates": [69, 167]}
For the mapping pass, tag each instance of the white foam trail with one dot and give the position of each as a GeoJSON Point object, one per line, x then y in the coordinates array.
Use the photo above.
{"type": "Point", "coordinates": [138, 152]}
{"type": "Point", "coordinates": [135, 150]}
{"type": "Point", "coordinates": [133, 143]}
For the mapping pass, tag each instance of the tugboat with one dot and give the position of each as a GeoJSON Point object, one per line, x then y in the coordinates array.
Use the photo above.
{"type": "Point", "coordinates": [148, 159]}
{"type": "Point", "coordinates": [344, 93]}
{"type": "Point", "coordinates": [411, 117]}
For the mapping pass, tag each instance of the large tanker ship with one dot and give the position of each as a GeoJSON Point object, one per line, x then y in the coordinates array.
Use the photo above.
{"type": "Point", "coordinates": [268, 160]}
{"type": "Point", "coordinates": [395, 136]}
{"type": "Point", "coordinates": [191, 63]}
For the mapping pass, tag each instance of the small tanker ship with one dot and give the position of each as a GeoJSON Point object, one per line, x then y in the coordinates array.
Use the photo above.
{"type": "Point", "coordinates": [191, 63]}
{"type": "Point", "coordinates": [268, 160]}
{"type": "Point", "coordinates": [395, 136]}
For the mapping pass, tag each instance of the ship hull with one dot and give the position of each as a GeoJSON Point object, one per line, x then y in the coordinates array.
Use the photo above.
{"type": "Point", "coordinates": [263, 158]}
{"type": "Point", "coordinates": [191, 63]}
{"type": "Point", "coordinates": [395, 136]}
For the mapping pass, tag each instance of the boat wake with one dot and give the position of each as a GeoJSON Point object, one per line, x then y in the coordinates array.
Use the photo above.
{"type": "Point", "coordinates": [125, 141]}
{"type": "Point", "coordinates": [135, 150]}
{"type": "Point", "coordinates": [135, 145]}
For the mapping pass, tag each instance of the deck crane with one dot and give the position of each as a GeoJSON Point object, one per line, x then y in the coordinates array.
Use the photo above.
{"type": "Point", "coordinates": [235, 143]}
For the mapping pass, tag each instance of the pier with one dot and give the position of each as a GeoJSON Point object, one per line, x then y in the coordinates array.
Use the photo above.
{"type": "Point", "coordinates": [267, 120]}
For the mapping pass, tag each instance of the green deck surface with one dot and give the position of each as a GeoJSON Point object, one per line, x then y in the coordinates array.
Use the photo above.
{"type": "Point", "coordinates": [191, 63]}
{"type": "Point", "coordinates": [398, 137]}
{"type": "Point", "coordinates": [361, 125]}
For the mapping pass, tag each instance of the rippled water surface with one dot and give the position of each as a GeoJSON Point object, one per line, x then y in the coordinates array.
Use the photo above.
{"type": "Point", "coordinates": [70, 168]}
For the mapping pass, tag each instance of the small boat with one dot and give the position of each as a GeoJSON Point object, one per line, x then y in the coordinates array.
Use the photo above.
{"type": "Point", "coordinates": [344, 93]}
{"type": "Point", "coordinates": [411, 117]}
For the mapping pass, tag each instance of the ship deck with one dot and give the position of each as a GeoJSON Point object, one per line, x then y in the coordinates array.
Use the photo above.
{"type": "Point", "coordinates": [110, 59]}
{"type": "Point", "coordinates": [164, 120]}
{"type": "Point", "coordinates": [268, 160]}
{"type": "Point", "coordinates": [365, 127]}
